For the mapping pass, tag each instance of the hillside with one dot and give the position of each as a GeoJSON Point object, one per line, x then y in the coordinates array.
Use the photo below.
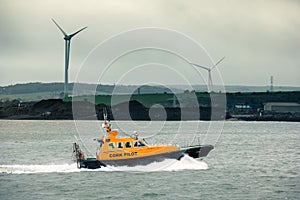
{"type": "Point", "coordinates": [38, 91]}
{"type": "Point", "coordinates": [245, 106]}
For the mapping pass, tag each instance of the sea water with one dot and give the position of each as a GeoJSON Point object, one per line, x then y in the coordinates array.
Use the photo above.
{"type": "Point", "coordinates": [251, 160]}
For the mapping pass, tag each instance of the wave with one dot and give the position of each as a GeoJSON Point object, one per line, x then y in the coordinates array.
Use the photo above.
{"type": "Point", "coordinates": [185, 163]}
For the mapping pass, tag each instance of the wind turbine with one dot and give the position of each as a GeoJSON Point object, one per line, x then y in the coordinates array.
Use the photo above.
{"type": "Point", "coordinates": [67, 38]}
{"type": "Point", "coordinates": [210, 82]}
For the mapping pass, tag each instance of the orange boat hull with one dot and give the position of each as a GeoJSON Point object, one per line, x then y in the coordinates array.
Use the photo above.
{"type": "Point", "coordinates": [195, 152]}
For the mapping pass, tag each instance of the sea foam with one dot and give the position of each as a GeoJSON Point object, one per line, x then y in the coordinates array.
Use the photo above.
{"type": "Point", "coordinates": [185, 163]}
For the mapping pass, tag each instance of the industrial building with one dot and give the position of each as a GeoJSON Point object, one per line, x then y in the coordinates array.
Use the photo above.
{"type": "Point", "coordinates": [282, 107]}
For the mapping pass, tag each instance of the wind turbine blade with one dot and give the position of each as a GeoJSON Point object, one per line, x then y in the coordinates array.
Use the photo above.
{"type": "Point", "coordinates": [200, 66]}
{"type": "Point", "coordinates": [218, 62]}
{"type": "Point", "coordinates": [78, 31]}
{"type": "Point", "coordinates": [59, 27]}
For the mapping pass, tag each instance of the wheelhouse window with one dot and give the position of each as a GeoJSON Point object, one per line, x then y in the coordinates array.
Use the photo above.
{"type": "Point", "coordinates": [139, 144]}
{"type": "Point", "coordinates": [128, 145]}
{"type": "Point", "coordinates": [120, 145]}
{"type": "Point", "coordinates": [111, 145]}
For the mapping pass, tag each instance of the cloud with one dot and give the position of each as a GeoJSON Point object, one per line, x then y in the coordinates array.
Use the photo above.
{"type": "Point", "coordinates": [260, 37]}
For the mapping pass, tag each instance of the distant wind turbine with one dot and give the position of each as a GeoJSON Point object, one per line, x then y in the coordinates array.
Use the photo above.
{"type": "Point", "coordinates": [210, 82]}
{"type": "Point", "coordinates": [67, 38]}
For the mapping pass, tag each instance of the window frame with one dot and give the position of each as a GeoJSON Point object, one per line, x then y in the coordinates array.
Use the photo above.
{"type": "Point", "coordinates": [138, 143]}
{"type": "Point", "coordinates": [128, 143]}
{"type": "Point", "coordinates": [111, 147]}
{"type": "Point", "coordinates": [122, 146]}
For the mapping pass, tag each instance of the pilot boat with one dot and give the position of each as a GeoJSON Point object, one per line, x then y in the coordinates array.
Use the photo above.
{"type": "Point", "coordinates": [132, 151]}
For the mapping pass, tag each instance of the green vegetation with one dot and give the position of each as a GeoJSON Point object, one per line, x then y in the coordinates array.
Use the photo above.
{"type": "Point", "coordinates": [148, 100]}
{"type": "Point", "coordinates": [147, 95]}
{"type": "Point", "coordinates": [34, 96]}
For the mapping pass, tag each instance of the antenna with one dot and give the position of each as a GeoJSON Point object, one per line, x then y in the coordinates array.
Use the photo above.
{"type": "Point", "coordinates": [210, 82]}
{"type": "Point", "coordinates": [271, 84]}
{"type": "Point", "coordinates": [67, 38]}
{"type": "Point", "coordinates": [105, 114]}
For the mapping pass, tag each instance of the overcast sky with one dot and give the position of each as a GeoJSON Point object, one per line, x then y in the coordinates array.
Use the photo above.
{"type": "Point", "coordinates": [258, 38]}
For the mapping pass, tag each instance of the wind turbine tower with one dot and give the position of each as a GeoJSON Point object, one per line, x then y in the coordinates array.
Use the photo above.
{"type": "Point", "coordinates": [67, 38]}
{"type": "Point", "coordinates": [210, 82]}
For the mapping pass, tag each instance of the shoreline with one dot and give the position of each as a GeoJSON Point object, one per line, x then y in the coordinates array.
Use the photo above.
{"type": "Point", "coordinates": [63, 118]}
{"type": "Point", "coordinates": [143, 107]}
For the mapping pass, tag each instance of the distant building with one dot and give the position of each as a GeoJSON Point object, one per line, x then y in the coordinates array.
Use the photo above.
{"type": "Point", "coordinates": [242, 106]}
{"type": "Point", "coordinates": [282, 107]}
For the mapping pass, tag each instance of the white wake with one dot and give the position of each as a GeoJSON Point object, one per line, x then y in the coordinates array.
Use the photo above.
{"type": "Point", "coordinates": [186, 163]}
